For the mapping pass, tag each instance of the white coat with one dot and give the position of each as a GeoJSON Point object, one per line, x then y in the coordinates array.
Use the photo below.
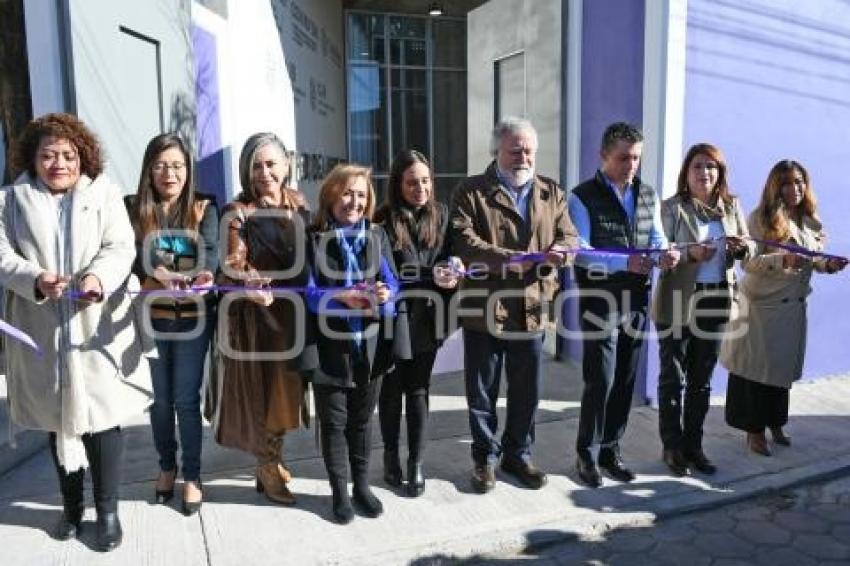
{"type": "Point", "coordinates": [93, 372]}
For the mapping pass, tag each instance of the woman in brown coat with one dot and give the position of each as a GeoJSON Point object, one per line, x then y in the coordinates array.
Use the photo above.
{"type": "Point", "coordinates": [766, 343]}
{"type": "Point", "coordinates": [260, 392]}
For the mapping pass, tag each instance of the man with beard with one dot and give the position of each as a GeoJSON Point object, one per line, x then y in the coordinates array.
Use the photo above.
{"type": "Point", "coordinates": [614, 209]}
{"type": "Point", "coordinates": [506, 301]}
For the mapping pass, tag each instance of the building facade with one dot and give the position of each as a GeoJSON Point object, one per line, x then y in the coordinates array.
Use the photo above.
{"type": "Point", "coordinates": [360, 79]}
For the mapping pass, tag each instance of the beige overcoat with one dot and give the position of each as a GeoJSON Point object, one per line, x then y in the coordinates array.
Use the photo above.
{"type": "Point", "coordinates": [765, 340]}
{"type": "Point", "coordinates": [96, 346]}
{"type": "Point", "coordinates": [672, 303]}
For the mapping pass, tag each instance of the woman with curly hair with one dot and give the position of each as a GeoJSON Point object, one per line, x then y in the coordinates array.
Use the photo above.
{"type": "Point", "coordinates": [66, 249]}
{"type": "Point", "coordinates": [177, 250]}
{"type": "Point", "coordinates": [766, 342]}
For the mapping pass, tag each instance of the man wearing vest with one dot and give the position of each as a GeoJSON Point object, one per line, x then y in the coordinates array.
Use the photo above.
{"type": "Point", "coordinates": [613, 210]}
{"type": "Point", "coordinates": [496, 216]}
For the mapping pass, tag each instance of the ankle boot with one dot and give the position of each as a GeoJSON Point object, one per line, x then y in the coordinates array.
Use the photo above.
{"type": "Point", "coordinates": [69, 523]}
{"type": "Point", "coordinates": [779, 436]}
{"type": "Point", "coordinates": [415, 479]}
{"type": "Point", "coordinates": [271, 484]}
{"type": "Point", "coordinates": [758, 443]}
{"type": "Point", "coordinates": [109, 533]}
{"type": "Point", "coordinates": [392, 468]}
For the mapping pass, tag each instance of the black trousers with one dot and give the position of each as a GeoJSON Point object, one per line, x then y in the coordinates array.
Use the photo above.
{"type": "Point", "coordinates": [410, 380]}
{"type": "Point", "coordinates": [103, 450]}
{"type": "Point", "coordinates": [613, 326]}
{"type": "Point", "coordinates": [345, 417]}
{"type": "Point", "coordinates": [484, 355]}
{"type": "Point", "coordinates": [752, 406]}
{"type": "Point", "coordinates": [688, 355]}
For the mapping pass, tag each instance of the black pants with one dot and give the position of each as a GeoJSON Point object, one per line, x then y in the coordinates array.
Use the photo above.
{"type": "Point", "coordinates": [613, 334]}
{"type": "Point", "coordinates": [103, 450]}
{"type": "Point", "coordinates": [688, 355]}
{"type": "Point", "coordinates": [752, 406]}
{"type": "Point", "coordinates": [345, 417]}
{"type": "Point", "coordinates": [410, 379]}
{"type": "Point", "coordinates": [484, 356]}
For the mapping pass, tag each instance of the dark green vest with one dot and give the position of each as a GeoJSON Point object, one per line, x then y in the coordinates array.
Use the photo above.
{"type": "Point", "coordinates": [610, 227]}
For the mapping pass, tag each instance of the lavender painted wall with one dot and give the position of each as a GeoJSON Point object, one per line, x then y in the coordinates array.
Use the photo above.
{"type": "Point", "coordinates": [611, 91]}
{"type": "Point", "coordinates": [770, 81]}
{"type": "Point", "coordinates": [211, 155]}
{"type": "Point", "coordinates": [611, 71]}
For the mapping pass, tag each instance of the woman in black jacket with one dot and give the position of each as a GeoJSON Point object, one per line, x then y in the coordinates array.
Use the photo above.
{"type": "Point", "coordinates": [416, 225]}
{"type": "Point", "coordinates": [351, 292]}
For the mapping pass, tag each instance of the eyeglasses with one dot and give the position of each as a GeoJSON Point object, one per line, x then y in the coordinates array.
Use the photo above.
{"type": "Point", "coordinates": [161, 167]}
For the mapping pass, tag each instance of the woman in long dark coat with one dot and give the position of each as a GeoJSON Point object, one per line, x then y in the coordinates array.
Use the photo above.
{"type": "Point", "coordinates": [416, 224]}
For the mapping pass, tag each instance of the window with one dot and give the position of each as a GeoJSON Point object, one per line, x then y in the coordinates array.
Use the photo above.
{"type": "Point", "coordinates": [509, 87]}
{"type": "Point", "coordinates": [407, 89]}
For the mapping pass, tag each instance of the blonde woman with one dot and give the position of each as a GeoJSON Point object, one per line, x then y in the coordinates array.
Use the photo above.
{"type": "Point", "coordinates": [353, 285]}
{"type": "Point", "coordinates": [766, 344]}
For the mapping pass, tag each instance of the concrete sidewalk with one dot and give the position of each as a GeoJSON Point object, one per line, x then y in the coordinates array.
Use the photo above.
{"type": "Point", "coordinates": [238, 526]}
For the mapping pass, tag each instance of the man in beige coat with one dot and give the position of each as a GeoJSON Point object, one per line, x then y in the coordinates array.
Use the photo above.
{"type": "Point", "coordinates": [507, 211]}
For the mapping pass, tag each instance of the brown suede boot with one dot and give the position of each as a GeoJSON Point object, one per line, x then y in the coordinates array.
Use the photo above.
{"type": "Point", "coordinates": [269, 481]}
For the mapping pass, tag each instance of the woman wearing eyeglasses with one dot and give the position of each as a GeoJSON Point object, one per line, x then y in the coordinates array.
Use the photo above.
{"type": "Point", "coordinates": [176, 250]}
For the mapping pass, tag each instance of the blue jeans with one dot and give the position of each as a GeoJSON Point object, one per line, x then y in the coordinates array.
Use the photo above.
{"type": "Point", "coordinates": [484, 356]}
{"type": "Point", "coordinates": [178, 375]}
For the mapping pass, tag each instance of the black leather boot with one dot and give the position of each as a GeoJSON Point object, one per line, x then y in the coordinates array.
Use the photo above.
{"type": "Point", "coordinates": [109, 533]}
{"type": "Point", "coordinates": [69, 523]}
{"type": "Point", "coordinates": [392, 468]}
{"type": "Point", "coordinates": [415, 478]}
{"type": "Point", "coordinates": [71, 487]}
{"type": "Point", "coordinates": [417, 417]}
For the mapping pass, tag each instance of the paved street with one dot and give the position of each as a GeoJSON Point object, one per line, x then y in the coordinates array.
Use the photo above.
{"type": "Point", "coordinates": [807, 526]}
{"type": "Point", "coordinates": [237, 526]}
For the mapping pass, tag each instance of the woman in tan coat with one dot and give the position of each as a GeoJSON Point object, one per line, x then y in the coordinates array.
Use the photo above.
{"type": "Point", "coordinates": [692, 301]}
{"type": "Point", "coordinates": [766, 342]}
{"type": "Point", "coordinates": [66, 247]}
{"type": "Point", "coordinates": [259, 392]}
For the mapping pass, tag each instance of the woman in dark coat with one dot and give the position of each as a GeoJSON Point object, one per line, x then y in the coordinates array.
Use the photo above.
{"type": "Point", "coordinates": [352, 291]}
{"type": "Point", "coordinates": [416, 225]}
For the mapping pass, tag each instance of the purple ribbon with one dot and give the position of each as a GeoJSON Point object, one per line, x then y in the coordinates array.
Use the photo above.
{"type": "Point", "coordinates": [541, 256]}
{"type": "Point", "coordinates": [19, 335]}
{"type": "Point", "coordinates": [793, 248]}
